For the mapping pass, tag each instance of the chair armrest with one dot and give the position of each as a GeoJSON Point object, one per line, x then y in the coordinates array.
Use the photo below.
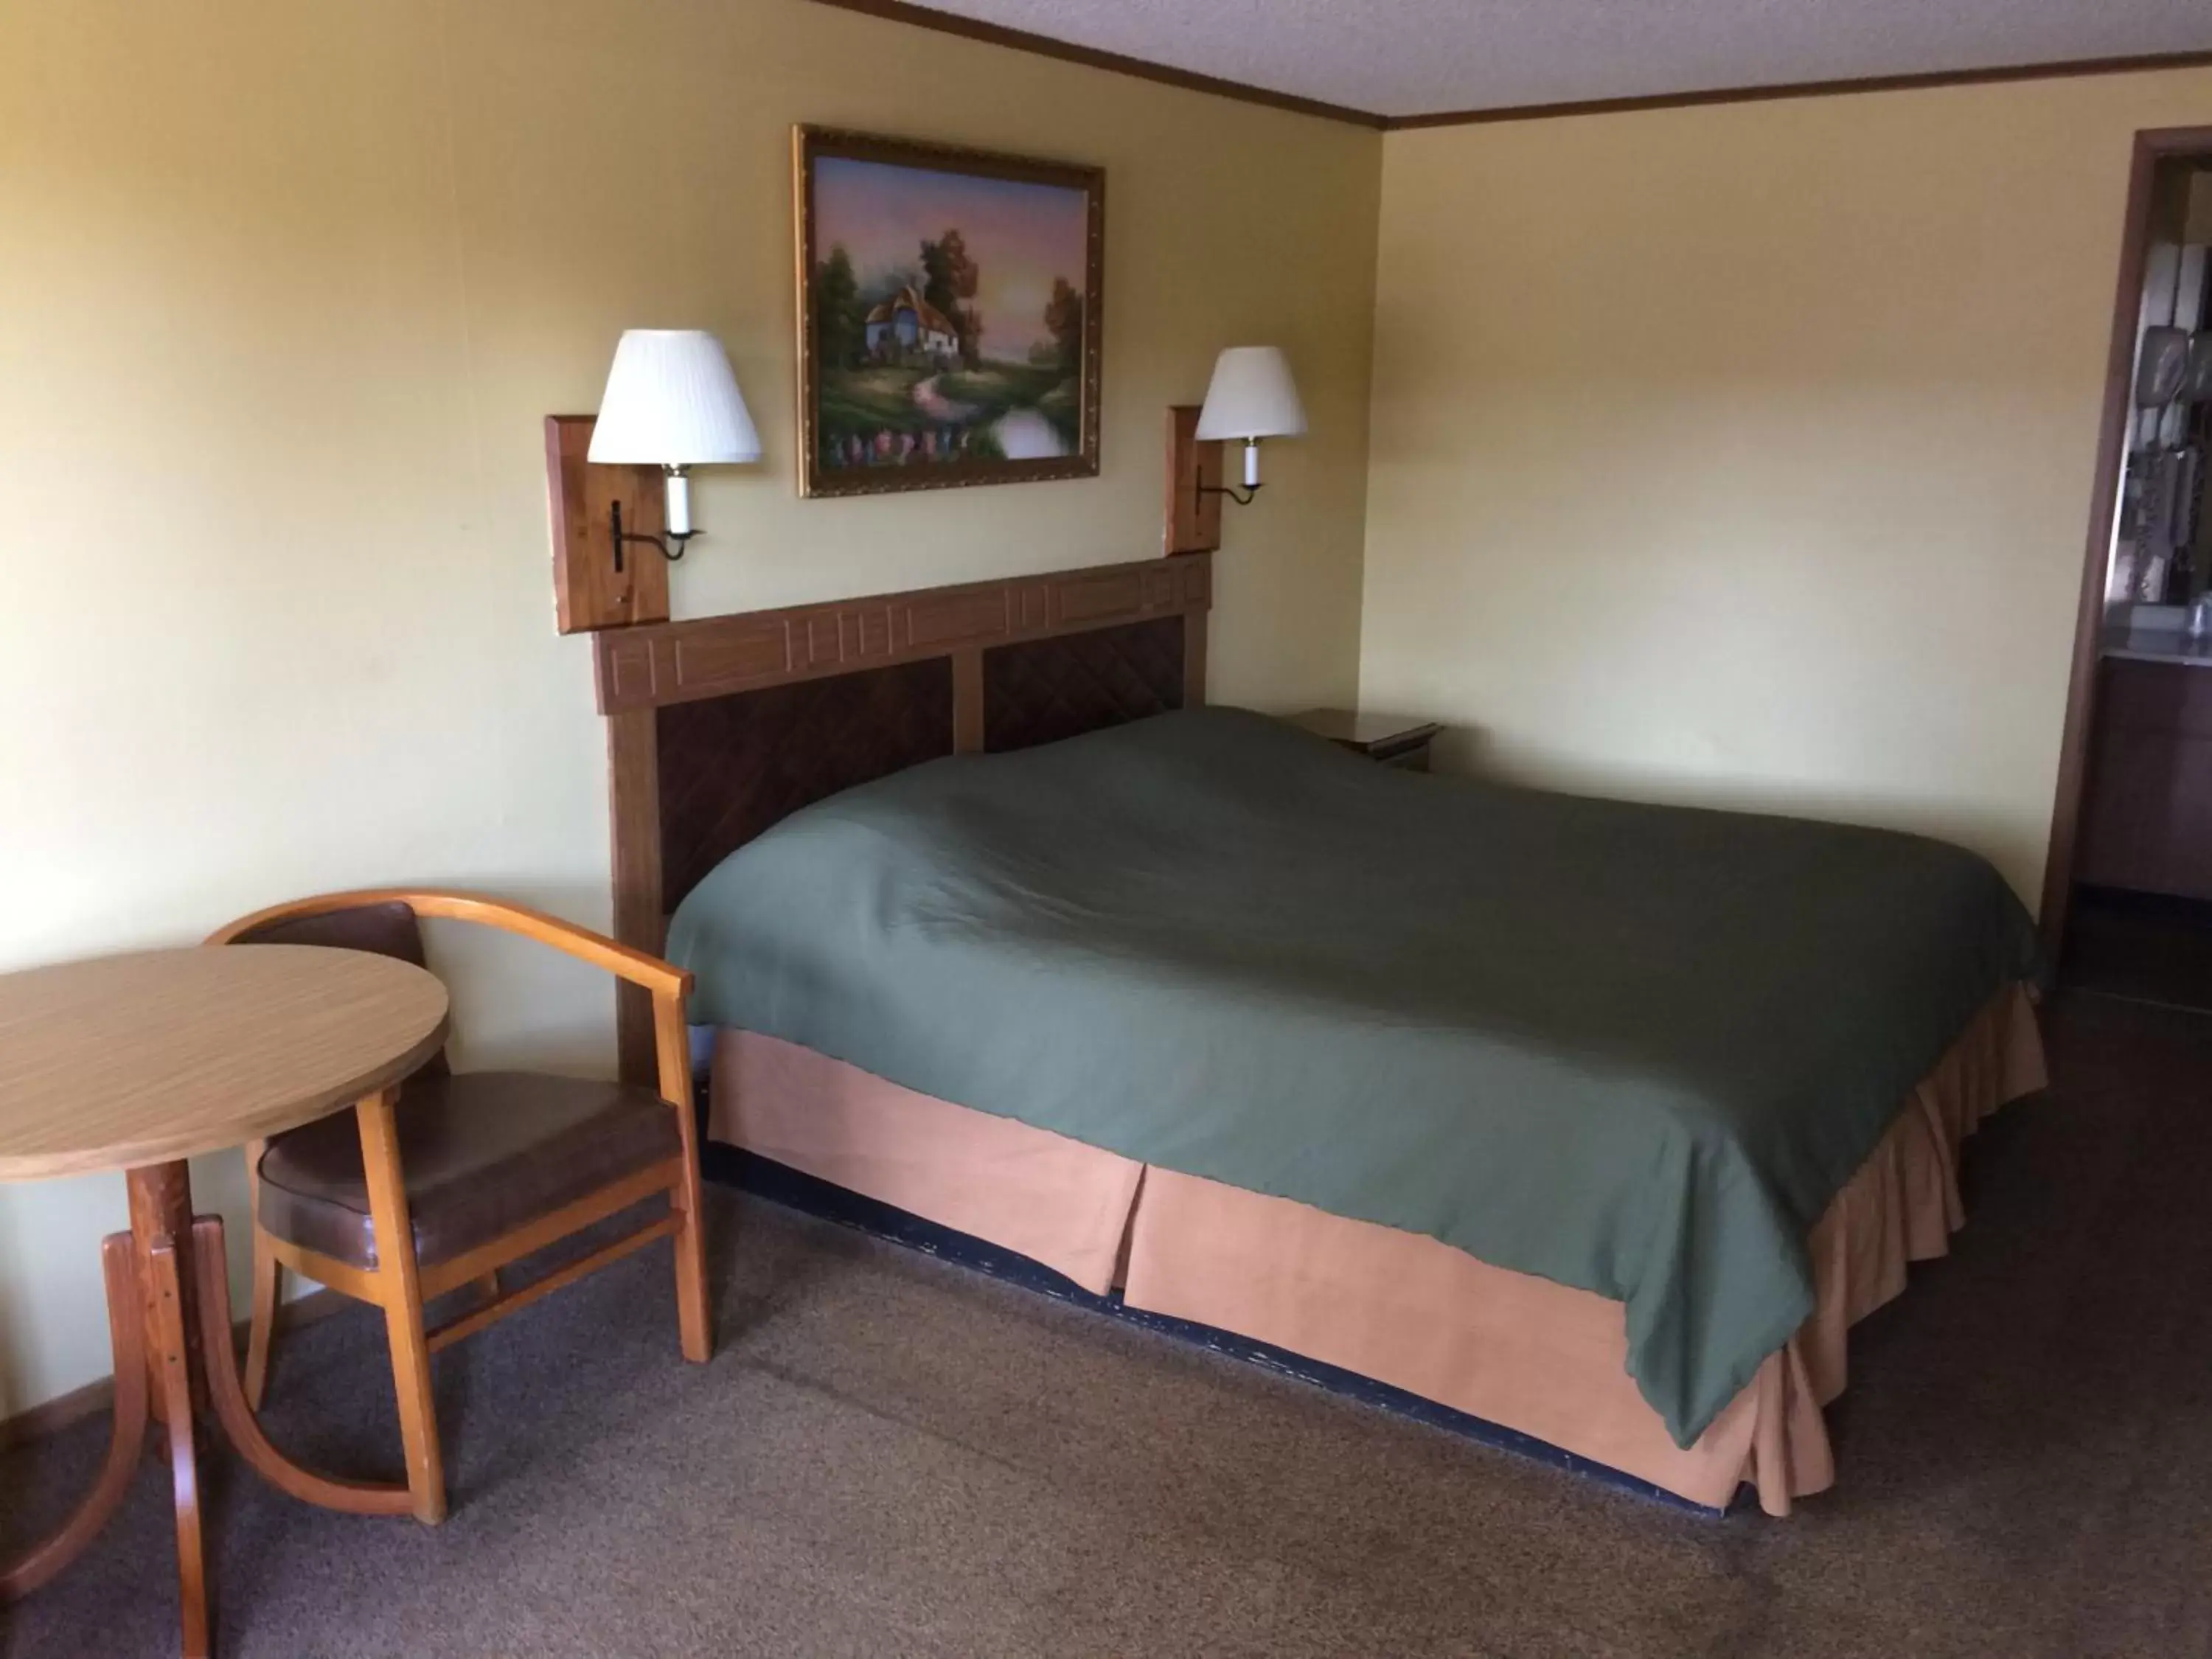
{"type": "Point", "coordinates": [662, 979]}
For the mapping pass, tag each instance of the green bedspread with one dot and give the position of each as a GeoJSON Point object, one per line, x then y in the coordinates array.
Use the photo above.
{"type": "Point", "coordinates": [1636, 1049]}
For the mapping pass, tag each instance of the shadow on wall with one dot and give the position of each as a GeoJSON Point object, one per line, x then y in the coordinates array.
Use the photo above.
{"type": "Point", "coordinates": [1466, 750]}
{"type": "Point", "coordinates": [515, 1003]}
{"type": "Point", "coordinates": [1472, 751]}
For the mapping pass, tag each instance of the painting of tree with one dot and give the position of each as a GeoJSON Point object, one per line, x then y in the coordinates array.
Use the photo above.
{"type": "Point", "coordinates": [1063, 315]}
{"type": "Point", "coordinates": [950, 279]}
{"type": "Point", "coordinates": [839, 318]}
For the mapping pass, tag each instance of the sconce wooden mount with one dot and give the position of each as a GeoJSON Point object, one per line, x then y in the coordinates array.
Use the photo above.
{"type": "Point", "coordinates": [1195, 477]}
{"type": "Point", "coordinates": [592, 587]}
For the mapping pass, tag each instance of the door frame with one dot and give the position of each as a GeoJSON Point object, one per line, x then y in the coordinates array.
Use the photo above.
{"type": "Point", "coordinates": [2152, 146]}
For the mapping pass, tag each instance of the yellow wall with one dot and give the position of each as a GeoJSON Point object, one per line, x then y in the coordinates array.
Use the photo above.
{"type": "Point", "coordinates": [1742, 454]}
{"type": "Point", "coordinates": [285, 290]}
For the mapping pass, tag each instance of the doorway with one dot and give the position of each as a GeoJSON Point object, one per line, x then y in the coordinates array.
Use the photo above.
{"type": "Point", "coordinates": [2127, 899]}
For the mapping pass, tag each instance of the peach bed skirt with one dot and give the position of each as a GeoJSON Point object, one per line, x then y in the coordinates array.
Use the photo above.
{"type": "Point", "coordinates": [1534, 1356]}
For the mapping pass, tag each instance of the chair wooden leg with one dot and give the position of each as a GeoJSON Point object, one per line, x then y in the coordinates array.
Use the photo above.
{"type": "Point", "coordinates": [695, 1312]}
{"type": "Point", "coordinates": [226, 1396]}
{"type": "Point", "coordinates": [400, 1286]}
{"type": "Point", "coordinates": [268, 1296]}
{"type": "Point", "coordinates": [418, 1420]}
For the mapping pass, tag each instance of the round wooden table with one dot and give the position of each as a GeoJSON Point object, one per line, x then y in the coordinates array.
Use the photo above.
{"type": "Point", "coordinates": [136, 1063]}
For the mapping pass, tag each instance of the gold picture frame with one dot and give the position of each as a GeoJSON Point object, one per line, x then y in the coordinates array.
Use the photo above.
{"type": "Point", "coordinates": [933, 355]}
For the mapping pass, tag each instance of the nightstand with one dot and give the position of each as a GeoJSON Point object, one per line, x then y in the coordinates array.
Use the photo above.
{"type": "Point", "coordinates": [1386, 739]}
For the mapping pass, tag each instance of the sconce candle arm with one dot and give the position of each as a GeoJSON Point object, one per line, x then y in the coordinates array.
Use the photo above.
{"type": "Point", "coordinates": [660, 543]}
{"type": "Point", "coordinates": [1241, 497]}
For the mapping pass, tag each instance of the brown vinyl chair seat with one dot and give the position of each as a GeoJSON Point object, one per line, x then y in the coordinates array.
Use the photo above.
{"type": "Point", "coordinates": [482, 1154]}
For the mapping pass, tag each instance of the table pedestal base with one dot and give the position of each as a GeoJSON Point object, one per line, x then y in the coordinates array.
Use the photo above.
{"type": "Point", "coordinates": [173, 1368]}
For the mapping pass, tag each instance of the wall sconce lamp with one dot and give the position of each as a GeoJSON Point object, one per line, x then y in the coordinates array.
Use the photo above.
{"type": "Point", "coordinates": [671, 402]}
{"type": "Point", "coordinates": [622, 477]}
{"type": "Point", "coordinates": [1251, 397]}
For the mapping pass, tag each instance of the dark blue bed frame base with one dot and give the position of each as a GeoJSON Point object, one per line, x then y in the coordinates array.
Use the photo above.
{"type": "Point", "coordinates": [780, 1183]}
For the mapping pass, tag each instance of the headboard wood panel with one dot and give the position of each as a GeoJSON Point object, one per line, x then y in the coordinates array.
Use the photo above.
{"type": "Point", "coordinates": [718, 728]}
{"type": "Point", "coordinates": [1041, 690]}
{"type": "Point", "coordinates": [731, 767]}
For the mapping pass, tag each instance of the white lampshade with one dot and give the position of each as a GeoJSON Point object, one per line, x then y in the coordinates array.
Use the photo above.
{"type": "Point", "coordinates": [1252, 395]}
{"type": "Point", "coordinates": [671, 401]}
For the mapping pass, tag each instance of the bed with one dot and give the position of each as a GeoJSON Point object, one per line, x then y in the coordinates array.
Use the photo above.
{"type": "Point", "coordinates": [1599, 1121]}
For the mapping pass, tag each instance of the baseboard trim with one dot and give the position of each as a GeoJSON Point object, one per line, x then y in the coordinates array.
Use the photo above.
{"type": "Point", "coordinates": [66, 1411]}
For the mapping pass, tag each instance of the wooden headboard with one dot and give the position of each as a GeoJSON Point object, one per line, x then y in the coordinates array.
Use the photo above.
{"type": "Point", "coordinates": [718, 728]}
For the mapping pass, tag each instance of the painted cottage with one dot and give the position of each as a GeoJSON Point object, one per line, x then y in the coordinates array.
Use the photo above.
{"type": "Point", "coordinates": [907, 325]}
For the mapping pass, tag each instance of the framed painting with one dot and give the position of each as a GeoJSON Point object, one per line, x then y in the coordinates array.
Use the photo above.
{"type": "Point", "coordinates": [948, 315]}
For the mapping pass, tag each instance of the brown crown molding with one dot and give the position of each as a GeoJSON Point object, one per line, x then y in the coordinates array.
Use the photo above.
{"type": "Point", "coordinates": [1043, 45]}
{"type": "Point", "coordinates": [1920, 82]}
{"type": "Point", "coordinates": [996, 34]}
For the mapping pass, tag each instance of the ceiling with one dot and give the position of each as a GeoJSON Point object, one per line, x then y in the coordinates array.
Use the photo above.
{"type": "Point", "coordinates": [1403, 57]}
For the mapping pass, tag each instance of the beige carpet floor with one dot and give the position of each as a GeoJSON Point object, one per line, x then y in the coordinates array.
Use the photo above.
{"type": "Point", "coordinates": [891, 1455]}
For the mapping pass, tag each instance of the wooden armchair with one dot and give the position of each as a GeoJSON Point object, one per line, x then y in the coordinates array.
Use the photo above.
{"type": "Point", "coordinates": [438, 1183]}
